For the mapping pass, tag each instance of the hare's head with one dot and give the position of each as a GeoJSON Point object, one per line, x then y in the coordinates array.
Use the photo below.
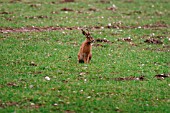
{"type": "Point", "coordinates": [89, 38]}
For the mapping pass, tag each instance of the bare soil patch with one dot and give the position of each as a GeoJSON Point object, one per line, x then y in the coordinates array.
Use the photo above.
{"type": "Point", "coordinates": [102, 40]}
{"type": "Point", "coordinates": [153, 41]}
{"type": "Point", "coordinates": [65, 1]}
{"type": "Point", "coordinates": [93, 9]}
{"type": "Point", "coordinates": [6, 12]}
{"type": "Point", "coordinates": [162, 76]}
{"type": "Point", "coordinates": [66, 9]}
{"type": "Point", "coordinates": [125, 39]}
{"type": "Point", "coordinates": [12, 84]}
{"type": "Point", "coordinates": [104, 1]}
{"type": "Point", "coordinates": [34, 29]}
{"type": "Point", "coordinates": [36, 17]}
{"type": "Point", "coordinates": [157, 25]}
{"type": "Point", "coordinates": [141, 78]}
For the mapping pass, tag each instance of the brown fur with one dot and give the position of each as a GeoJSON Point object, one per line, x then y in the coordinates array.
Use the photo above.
{"type": "Point", "coordinates": [85, 54]}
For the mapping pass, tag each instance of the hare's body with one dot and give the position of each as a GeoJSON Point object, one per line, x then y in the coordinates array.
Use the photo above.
{"type": "Point", "coordinates": [85, 54]}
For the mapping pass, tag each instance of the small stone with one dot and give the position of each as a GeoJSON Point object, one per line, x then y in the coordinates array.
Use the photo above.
{"type": "Point", "coordinates": [47, 78]}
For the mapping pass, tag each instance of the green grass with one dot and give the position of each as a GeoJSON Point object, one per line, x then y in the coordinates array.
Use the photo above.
{"type": "Point", "coordinates": [27, 58]}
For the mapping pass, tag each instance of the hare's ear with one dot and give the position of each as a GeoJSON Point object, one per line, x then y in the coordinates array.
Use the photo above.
{"type": "Point", "coordinates": [83, 32]}
{"type": "Point", "coordinates": [88, 32]}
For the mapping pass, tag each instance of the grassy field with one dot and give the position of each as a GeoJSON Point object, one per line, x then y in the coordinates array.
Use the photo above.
{"type": "Point", "coordinates": [129, 71]}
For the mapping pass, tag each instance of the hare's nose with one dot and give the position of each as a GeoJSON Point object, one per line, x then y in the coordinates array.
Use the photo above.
{"type": "Point", "coordinates": [93, 41]}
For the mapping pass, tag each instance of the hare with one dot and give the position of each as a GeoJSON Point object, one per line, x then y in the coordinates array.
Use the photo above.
{"type": "Point", "coordinates": [85, 53]}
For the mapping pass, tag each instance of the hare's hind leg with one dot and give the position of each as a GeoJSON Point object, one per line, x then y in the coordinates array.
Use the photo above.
{"type": "Point", "coordinates": [80, 59]}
